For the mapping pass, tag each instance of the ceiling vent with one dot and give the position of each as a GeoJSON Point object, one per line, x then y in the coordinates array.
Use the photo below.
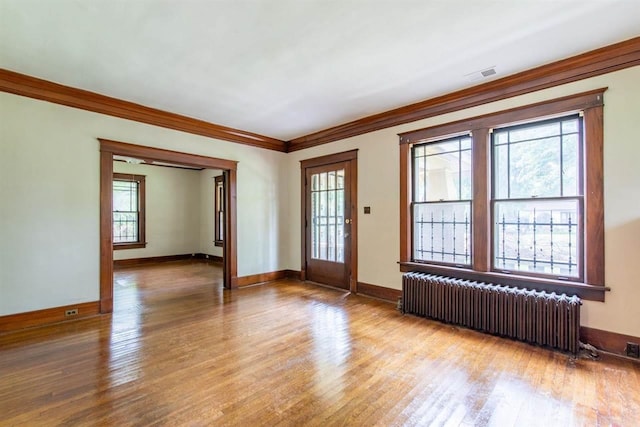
{"type": "Point", "coordinates": [482, 74]}
{"type": "Point", "coordinates": [488, 72]}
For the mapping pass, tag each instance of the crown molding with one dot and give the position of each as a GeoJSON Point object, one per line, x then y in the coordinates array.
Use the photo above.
{"type": "Point", "coordinates": [32, 87]}
{"type": "Point", "coordinates": [593, 63]}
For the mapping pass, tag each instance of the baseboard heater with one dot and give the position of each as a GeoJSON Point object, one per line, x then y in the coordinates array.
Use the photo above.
{"type": "Point", "coordinates": [542, 318]}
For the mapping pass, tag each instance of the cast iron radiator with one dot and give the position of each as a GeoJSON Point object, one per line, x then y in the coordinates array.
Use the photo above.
{"type": "Point", "coordinates": [541, 318]}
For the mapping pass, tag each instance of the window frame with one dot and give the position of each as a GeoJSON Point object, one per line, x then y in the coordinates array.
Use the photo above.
{"type": "Point", "coordinates": [219, 209]}
{"type": "Point", "coordinates": [579, 197]}
{"type": "Point", "coordinates": [140, 180]}
{"type": "Point", "coordinates": [590, 104]}
{"type": "Point", "coordinates": [442, 140]}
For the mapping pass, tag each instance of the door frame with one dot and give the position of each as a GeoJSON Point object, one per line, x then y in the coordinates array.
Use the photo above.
{"type": "Point", "coordinates": [108, 149]}
{"type": "Point", "coordinates": [350, 156]}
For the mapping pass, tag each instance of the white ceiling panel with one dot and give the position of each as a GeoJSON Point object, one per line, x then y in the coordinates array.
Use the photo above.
{"type": "Point", "coordinates": [286, 68]}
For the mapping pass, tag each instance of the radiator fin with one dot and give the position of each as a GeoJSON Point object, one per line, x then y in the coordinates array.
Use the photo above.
{"type": "Point", "coordinates": [536, 317]}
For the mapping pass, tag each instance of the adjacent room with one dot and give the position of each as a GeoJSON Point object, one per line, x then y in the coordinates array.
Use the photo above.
{"type": "Point", "coordinates": [319, 213]}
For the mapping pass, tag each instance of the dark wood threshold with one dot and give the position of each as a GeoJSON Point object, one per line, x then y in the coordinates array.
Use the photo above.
{"type": "Point", "coordinates": [30, 319]}
{"type": "Point", "coordinates": [584, 291]}
{"type": "Point", "coordinates": [379, 292]}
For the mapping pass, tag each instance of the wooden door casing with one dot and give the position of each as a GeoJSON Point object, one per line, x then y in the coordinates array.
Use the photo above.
{"type": "Point", "coordinates": [326, 269]}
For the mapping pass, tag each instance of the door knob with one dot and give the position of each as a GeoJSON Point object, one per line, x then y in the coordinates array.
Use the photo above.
{"type": "Point", "coordinates": [347, 221]}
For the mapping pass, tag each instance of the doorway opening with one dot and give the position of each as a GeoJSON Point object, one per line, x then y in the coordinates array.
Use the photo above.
{"type": "Point", "coordinates": [109, 149]}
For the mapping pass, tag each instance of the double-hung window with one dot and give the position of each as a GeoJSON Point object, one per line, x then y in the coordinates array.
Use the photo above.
{"type": "Point", "coordinates": [513, 197]}
{"type": "Point", "coordinates": [128, 211]}
{"type": "Point", "coordinates": [441, 204]}
{"type": "Point", "coordinates": [537, 197]}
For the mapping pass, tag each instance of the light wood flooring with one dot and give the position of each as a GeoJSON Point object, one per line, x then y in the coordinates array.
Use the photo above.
{"type": "Point", "coordinates": [180, 350]}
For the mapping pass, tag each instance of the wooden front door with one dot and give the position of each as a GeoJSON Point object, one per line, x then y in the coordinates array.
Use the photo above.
{"type": "Point", "coordinates": [328, 223]}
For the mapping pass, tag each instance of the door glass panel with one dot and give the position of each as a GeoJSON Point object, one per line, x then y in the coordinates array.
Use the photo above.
{"type": "Point", "coordinates": [327, 216]}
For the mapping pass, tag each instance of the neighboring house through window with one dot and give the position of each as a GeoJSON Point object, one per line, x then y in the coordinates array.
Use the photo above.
{"type": "Point", "coordinates": [128, 211]}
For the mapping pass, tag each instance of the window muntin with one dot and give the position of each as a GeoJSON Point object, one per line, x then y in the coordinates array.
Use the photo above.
{"type": "Point", "coordinates": [128, 211]}
{"type": "Point", "coordinates": [537, 198]}
{"type": "Point", "coordinates": [441, 205]}
{"type": "Point", "coordinates": [328, 215]}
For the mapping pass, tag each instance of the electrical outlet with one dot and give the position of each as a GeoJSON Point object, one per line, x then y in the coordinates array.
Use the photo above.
{"type": "Point", "coordinates": [633, 349]}
{"type": "Point", "coordinates": [73, 312]}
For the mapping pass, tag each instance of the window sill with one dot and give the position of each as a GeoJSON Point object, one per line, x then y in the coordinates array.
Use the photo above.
{"type": "Point", "coordinates": [218, 243]}
{"type": "Point", "coordinates": [138, 245]}
{"type": "Point", "coordinates": [583, 290]}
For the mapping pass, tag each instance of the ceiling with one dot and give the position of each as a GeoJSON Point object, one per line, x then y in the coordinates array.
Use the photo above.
{"type": "Point", "coordinates": [287, 68]}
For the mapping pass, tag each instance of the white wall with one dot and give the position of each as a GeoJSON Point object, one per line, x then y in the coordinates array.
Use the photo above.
{"type": "Point", "coordinates": [49, 199]}
{"type": "Point", "coordinates": [378, 187]}
{"type": "Point", "coordinates": [207, 212]}
{"type": "Point", "coordinates": [173, 210]}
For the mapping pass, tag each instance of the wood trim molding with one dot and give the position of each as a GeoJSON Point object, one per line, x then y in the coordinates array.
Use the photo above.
{"type": "Point", "coordinates": [107, 150]}
{"type": "Point", "coordinates": [210, 258]}
{"type": "Point", "coordinates": [594, 195]}
{"type": "Point", "coordinates": [255, 279]}
{"type": "Point", "coordinates": [32, 87]}
{"type": "Point", "coordinates": [106, 232]}
{"type": "Point", "coordinates": [351, 157]}
{"type": "Point", "coordinates": [584, 291]}
{"type": "Point", "coordinates": [405, 204]}
{"type": "Point", "coordinates": [47, 316]}
{"type": "Point", "coordinates": [593, 63]}
{"type": "Point", "coordinates": [480, 204]}
{"type": "Point", "coordinates": [162, 155]}
{"type": "Point", "coordinates": [230, 243]}
{"type": "Point", "coordinates": [294, 274]}
{"type": "Point", "coordinates": [329, 159]}
{"type": "Point", "coordinates": [610, 342]}
{"type": "Point", "coordinates": [379, 292]}
{"type": "Point", "coordinates": [142, 200]}
{"type": "Point", "coordinates": [137, 262]}
{"type": "Point", "coordinates": [589, 286]}
{"type": "Point", "coordinates": [566, 104]}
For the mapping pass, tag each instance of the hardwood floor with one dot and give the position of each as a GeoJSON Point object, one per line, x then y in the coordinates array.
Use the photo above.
{"type": "Point", "coordinates": [180, 350]}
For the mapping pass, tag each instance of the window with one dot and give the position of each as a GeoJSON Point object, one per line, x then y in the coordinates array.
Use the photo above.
{"type": "Point", "coordinates": [537, 197]}
{"type": "Point", "coordinates": [441, 204]}
{"type": "Point", "coordinates": [513, 197]}
{"type": "Point", "coordinates": [219, 209]}
{"type": "Point", "coordinates": [128, 211]}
